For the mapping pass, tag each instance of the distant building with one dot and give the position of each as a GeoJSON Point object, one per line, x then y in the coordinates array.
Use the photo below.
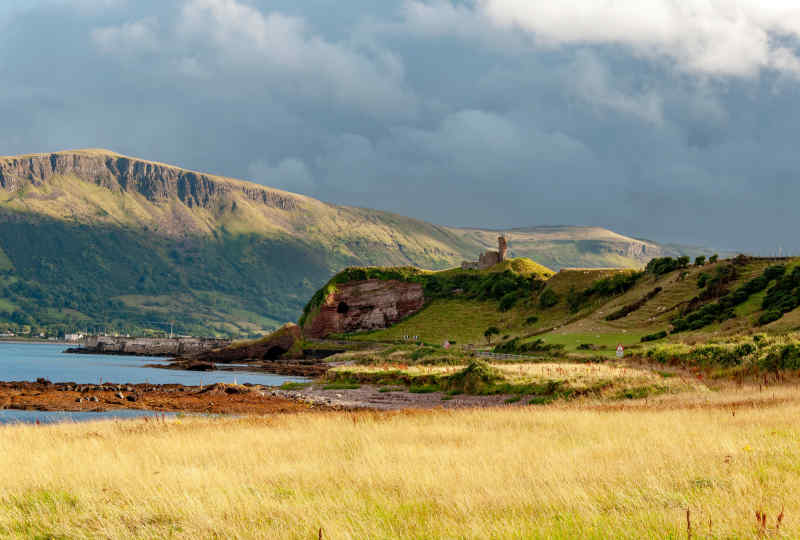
{"type": "Point", "coordinates": [488, 258]}
{"type": "Point", "coordinates": [73, 337]}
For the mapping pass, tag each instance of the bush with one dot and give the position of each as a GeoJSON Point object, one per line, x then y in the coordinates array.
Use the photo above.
{"type": "Point", "coordinates": [700, 260]}
{"type": "Point", "coordinates": [702, 279]}
{"type": "Point", "coordinates": [786, 358]}
{"type": "Point", "coordinates": [713, 259]}
{"type": "Point", "coordinates": [548, 299]}
{"type": "Point", "coordinates": [515, 346]}
{"type": "Point", "coordinates": [661, 265]}
{"type": "Point", "coordinates": [509, 300]}
{"type": "Point", "coordinates": [782, 297]}
{"type": "Point", "coordinates": [531, 320]}
{"type": "Point", "coordinates": [616, 284]}
{"type": "Point", "coordinates": [769, 316]}
{"type": "Point", "coordinates": [489, 332]}
{"type": "Point", "coordinates": [630, 308]}
{"type": "Point", "coordinates": [723, 309]}
{"type": "Point", "coordinates": [654, 337]}
{"type": "Point", "coordinates": [477, 378]}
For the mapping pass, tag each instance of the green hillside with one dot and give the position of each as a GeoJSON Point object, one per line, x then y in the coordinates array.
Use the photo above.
{"type": "Point", "coordinates": [587, 312]}
{"type": "Point", "coordinates": [93, 240]}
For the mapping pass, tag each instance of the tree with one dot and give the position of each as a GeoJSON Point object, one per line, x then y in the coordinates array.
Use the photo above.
{"type": "Point", "coordinates": [714, 258]}
{"type": "Point", "coordinates": [700, 261]}
{"type": "Point", "coordinates": [491, 331]}
{"type": "Point", "coordinates": [683, 261]}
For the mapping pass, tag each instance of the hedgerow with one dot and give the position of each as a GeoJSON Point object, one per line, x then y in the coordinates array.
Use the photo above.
{"type": "Point", "coordinates": [782, 297]}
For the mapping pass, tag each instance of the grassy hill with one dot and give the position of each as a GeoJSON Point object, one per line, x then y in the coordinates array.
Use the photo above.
{"type": "Point", "coordinates": [93, 240]}
{"type": "Point", "coordinates": [589, 311]}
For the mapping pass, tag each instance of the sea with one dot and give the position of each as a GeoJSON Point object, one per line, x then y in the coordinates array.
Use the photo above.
{"type": "Point", "coordinates": [31, 361]}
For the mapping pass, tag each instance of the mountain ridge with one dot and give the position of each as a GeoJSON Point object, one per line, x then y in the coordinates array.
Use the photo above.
{"type": "Point", "coordinates": [158, 239]}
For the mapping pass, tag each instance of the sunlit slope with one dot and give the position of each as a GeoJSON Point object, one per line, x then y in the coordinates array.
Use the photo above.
{"type": "Point", "coordinates": [603, 307]}
{"type": "Point", "coordinates": [91, 238]}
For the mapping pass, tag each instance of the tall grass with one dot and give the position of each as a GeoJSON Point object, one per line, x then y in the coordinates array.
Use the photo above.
{"type": "Point", "coordinates": [490, 473]}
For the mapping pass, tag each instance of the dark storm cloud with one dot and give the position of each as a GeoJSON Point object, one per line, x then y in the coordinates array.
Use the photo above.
{"type": "Point", "coordinates": [674, 123]}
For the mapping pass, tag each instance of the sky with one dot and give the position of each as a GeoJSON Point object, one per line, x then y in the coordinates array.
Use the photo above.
{"type": "Point", "coordinates": [672, 120]}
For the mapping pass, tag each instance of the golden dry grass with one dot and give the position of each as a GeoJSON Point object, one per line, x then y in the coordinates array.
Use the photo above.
{"type": "Point", "coordinates": [492, 473]}
{"type": "Point", "coordinates": [577, 376]}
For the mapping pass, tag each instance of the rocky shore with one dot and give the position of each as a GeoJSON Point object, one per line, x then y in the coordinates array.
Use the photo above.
{"type": "Point", "coordinates": [294, 368]}
{"type": "Point", "coordinates": [44, 395]}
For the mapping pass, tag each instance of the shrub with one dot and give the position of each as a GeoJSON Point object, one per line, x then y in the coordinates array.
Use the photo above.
{"type": "Point", "coordinates": [509, 300]}
{"type": "Point", "coordinates": [782, 297]}
{"type": "Point", "coordinates": [654, 337]}
{"type": "Point", "coordinates": [661, 265]}
{"type": "Point", "coordinates": [574, 300]}
{"type": "Point", "coordinates": [714, 258]}
{"type": "Point", "coordinates": [489, 332]}
{"type": "Point", "coordinates": [787, 357]}
{"type": "Point", "coordinates": [548, 299]}
{"type": "Point", "coordinates": [700, 260]}
{"type": "Point", "coordinates": [616, 284]}
{"type": "Point", "coordinates": [477, 378]}
{"type": "Point", "coordinates": [723, 309]}
{"type": "Point", "coordinates": [630, 308]}
{"type": "Point", "coordinates": [769, 316]}
{"type": "Point", "coordinates": [531, 320]}
{"type": "Point", "coordinates": [516, 346]}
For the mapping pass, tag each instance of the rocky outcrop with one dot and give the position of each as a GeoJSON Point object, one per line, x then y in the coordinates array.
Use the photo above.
{"type": "Point", "coordinates": [286, 342]}
{"type": "Point", "coordinates": [155, 181]}
{"type": "Point", "coordinates": [364, 305]}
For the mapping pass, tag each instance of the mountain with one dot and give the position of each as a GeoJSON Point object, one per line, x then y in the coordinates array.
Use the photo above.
{"type": "Point", "coordinates": [95, 240]}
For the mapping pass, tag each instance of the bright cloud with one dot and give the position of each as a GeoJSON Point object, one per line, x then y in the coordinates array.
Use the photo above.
{"type": "Point", "coordinates": [720, 37]}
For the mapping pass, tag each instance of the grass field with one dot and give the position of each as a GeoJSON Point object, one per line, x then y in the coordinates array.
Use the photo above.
{"type": "Point", "coordinates": [606, 341]}
{"type": "Point", "coordinates": [529, 472]}
{"type": "Point", "coordinates": [462, 321]}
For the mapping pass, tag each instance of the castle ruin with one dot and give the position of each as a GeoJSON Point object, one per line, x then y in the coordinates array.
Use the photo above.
{"type": "Point", "coordinates": [488, 258]}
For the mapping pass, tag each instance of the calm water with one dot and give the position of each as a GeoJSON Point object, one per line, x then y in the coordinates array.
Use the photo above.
{"type": "Point", "coordinates": [8, 416]}
{"type": "Point", "coordinates": [29, 361]}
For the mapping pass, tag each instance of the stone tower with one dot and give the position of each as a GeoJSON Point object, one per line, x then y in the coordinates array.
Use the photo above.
{"type": "Point", "coordinates": [502, 248]}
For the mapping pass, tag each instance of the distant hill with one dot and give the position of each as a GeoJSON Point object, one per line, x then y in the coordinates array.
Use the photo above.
{"type": "Point", "coordinates": [90, 239]}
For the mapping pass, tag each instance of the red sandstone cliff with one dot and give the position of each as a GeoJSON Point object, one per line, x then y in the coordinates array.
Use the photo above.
{"type": "Point", "coordinates": [365, 305]}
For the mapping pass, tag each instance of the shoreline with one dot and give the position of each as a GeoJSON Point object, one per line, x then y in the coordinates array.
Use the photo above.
{"type": "Point", "coordinates": [218, 398]}
{"type": "Point", "coordinates": [21, 341]}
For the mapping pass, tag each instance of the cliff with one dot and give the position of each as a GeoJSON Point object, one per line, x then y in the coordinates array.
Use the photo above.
{"type": "Point", "coordinates": [156, 182]}
{"type": "Point", "coordinates": [364, 305]}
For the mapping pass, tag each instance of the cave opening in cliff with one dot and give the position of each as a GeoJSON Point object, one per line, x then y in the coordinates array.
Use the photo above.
{"type": "Point", "coordinates": [342, 308]}
{"type": "Point", "coordinates": [275, 352]}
